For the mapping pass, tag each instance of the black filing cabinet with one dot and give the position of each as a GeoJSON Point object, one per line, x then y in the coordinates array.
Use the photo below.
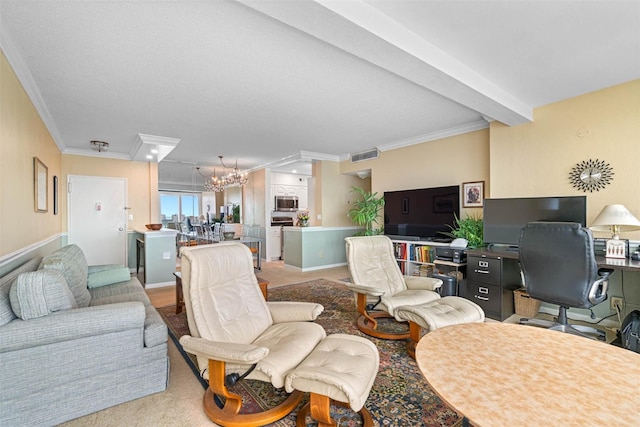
{"type": "Point", "coordinates": [491, 280]}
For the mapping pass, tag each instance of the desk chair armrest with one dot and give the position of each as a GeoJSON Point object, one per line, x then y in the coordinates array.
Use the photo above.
{"type": "Point", "coordinates": [426, 283]}
{"type": "Point", "coordinates": [224, 351]}
{"type": "Point", "coordinates": [289, 311]}
{"type": "Point", "coordinates": [598, 291]}
{"type": "Point", "coordinates": [367, 290]}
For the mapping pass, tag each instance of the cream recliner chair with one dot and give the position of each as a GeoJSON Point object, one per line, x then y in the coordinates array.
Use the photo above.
{"type": "Point", "coordinates": [380, 286]}
{"type": "Point", "coordinates": [235, 334]}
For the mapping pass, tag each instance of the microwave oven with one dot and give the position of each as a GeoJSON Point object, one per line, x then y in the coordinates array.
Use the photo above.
{"type": "Point", "coordinates": [286, 203]}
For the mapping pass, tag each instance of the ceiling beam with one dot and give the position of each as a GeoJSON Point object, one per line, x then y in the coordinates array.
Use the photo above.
{"type": "Point", "coordinates": [365, 32]}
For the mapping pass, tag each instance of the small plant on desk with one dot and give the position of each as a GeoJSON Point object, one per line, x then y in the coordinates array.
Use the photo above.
{"type": "Point", "coordinates": [469, 228]}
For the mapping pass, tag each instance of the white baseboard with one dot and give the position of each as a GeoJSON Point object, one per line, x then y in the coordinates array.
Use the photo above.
{"type": "Point", "coordinates": [320, 267]}
{"type": "Point", "coordinates": [159, 285]}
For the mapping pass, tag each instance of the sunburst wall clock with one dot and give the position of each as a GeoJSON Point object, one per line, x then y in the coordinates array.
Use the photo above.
{"type": "Point", "coordinates": [591, 175]}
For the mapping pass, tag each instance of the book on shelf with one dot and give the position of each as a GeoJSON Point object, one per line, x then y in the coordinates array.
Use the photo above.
{"type": "Point", "coordinates": [423, 253]}
{"type": "Point", "coordinates": [400, 250]}
{"type": "Point", "coordinates": [424, 270]}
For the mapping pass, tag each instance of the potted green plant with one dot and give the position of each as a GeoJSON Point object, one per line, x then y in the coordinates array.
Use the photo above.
{"type": "Point", "coordinates": [365, 211]}
{"type": "Point", "coordinates": [469, 228]}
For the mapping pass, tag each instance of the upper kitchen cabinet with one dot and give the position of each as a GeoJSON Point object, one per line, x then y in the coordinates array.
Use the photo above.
{"type": "Point", "coordinates": [285, 184]}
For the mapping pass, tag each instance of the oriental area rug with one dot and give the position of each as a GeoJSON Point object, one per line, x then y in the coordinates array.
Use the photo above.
{"type": "Point", "coordinates": [400, 395]}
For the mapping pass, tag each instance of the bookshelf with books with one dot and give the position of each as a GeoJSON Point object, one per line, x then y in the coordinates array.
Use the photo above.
{"type": "Point", "coordinates": [415, 258]}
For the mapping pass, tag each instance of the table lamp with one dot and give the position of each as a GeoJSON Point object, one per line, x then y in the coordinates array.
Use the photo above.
{"type": "Point", "coordinates": [615, 218]}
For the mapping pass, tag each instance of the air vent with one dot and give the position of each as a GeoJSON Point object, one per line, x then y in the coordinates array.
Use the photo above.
{"type": "Point", "coordinates": [365, 155]}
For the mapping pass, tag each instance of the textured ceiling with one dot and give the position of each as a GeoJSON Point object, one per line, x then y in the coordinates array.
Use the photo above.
{"type": "Point", "coordinates": [267, 81]}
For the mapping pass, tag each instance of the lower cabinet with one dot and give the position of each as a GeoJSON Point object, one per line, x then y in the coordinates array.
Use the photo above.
{"type": "Point", "coordinates": [490, 283]}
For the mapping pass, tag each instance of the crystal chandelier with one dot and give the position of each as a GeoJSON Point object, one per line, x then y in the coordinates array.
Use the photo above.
{"type": "Point", "coordinates": [218, 184]}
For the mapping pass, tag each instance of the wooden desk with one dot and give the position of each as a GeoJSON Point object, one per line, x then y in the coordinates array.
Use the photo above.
{"type": "Point", "coordinates": [626, 264]}
{"type": "Point", "coordinates": [498, 374]}
{"type": "Point", "coordinates": [180, 298]}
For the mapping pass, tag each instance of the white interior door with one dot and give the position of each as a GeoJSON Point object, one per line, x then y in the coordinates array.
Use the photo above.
{"type": "Point", "coordinates": [97, 220]}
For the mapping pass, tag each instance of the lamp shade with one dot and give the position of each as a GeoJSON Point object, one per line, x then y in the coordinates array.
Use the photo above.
{"type": "Point", "coordinates": [615, 218]}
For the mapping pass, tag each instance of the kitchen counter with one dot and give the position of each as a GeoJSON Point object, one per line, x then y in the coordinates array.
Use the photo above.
{"type": "Point", "coordinates": [159, 256]}
{"type": "Point", "coordinates": [316, 248]}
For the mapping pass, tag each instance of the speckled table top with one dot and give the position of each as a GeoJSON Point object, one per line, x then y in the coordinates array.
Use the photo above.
{"type": "Point", "coordinates": [498, 374]}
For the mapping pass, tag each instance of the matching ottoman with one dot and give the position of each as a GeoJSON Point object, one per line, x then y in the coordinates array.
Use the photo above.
{"type": "Point", "coordinates": [445, 311]}
{"type": "Point", "coordinates": [341, 368]}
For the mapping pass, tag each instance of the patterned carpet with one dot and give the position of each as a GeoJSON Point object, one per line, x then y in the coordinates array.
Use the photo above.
{"type": "Point", "coordinates": [400, 396]}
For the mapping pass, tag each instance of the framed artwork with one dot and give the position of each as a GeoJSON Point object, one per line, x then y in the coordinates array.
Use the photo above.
{"type": "Point", "coordinates": [473, 194]}
{"type": "Point", "coordinates": [40, 185]}
{"type": "Point", "coordinates": [55, 195]}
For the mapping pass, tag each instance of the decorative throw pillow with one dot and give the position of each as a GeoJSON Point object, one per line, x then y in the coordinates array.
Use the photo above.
{"type": "Point", "coordinates": [108, 277]}
{"type": "Point", "coordinates": [38, 293]}
{"type": "Point", "coordinates": [71, 262]}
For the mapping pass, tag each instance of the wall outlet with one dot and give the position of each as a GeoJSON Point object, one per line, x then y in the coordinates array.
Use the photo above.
{"type": "Point", "coordinates": [617, 302]}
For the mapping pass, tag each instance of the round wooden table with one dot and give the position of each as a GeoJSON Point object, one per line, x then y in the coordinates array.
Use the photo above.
{"type": "Point", "coordinates": [497, 374]}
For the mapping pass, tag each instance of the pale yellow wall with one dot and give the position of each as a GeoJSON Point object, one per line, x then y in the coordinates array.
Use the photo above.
{"type": "Point", "coordinates": [332, 194]}
{"type": "Point", "coordinates": [439, 163]}
{"type": "Point", "coordinates": [142, 184]}
{"type": "Point", "coordinates": [535, 159]}
{"type": "Point", "coordinates": [23, 136]}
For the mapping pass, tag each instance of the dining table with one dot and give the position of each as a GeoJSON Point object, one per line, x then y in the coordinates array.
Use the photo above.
{"type": "Point", "coordinates": [500, 374]}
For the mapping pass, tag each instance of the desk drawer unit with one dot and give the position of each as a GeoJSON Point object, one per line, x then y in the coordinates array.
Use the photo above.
{"type": "Point", "coordinates": [490, 284]}
{"type": "Point", "coordinates": [484, 270]}
{"type": "Point", "coordinates": [486, 296]}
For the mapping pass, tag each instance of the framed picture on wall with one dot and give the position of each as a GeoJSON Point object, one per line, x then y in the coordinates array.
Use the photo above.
{"type": "Point", "coordinates": [473, 194]}
{"type": "Point", "coordinates": [55, 195]}
{"type": "Point", "coordinates": [40, 185]}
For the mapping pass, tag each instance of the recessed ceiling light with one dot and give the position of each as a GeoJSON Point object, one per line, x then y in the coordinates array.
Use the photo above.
{"type": "Point", "coordinates": [149, 156]}
{"type": "Point", "coordinates": [294, 171]}
{"type": "Point", "coordinates": [154, 151]}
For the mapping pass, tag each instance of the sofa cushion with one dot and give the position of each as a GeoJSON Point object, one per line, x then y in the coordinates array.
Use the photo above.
{"type": "Point", "coordinates": [38, 293]}
{"type": "Point", "coordinates": [108, 277]}
{"type": "Point", "coordinates": [71, 262]}
{"type": "Point", "coordinates": [117, 298]}
{"type": "Point", "coordinates": [155, 330]}
{"type": "Point", "coordinates": [6, 281]}
{"type": "Point", "coordinates": [130, 287]}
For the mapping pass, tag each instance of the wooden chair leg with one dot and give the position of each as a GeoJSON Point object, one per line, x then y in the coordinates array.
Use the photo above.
{"type": "Point", "coordinates": [229, 415]}
{"type": "Point", "coordinates": [415, 332]}
{"type": "Point", "coordinates": [320, 408]}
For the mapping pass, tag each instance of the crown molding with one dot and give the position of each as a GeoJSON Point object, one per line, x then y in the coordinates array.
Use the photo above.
{"type": "Point", "coordinates": [29, 85]}
{"type": "Point", "coordinates": [457, 130]}
{"type": "Point", "coordinates": [91, 153]}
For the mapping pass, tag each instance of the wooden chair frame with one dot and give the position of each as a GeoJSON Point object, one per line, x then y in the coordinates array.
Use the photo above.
{"type": "Point", "coordinates": [368, 324]}
{"type": "Point", "coordinates": [229, 415]}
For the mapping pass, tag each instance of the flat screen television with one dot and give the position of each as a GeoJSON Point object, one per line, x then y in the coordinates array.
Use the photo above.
{"type": "Point", "coordinates": [503, 218]}
{"type": "Point", "coordinates": [421, 214]}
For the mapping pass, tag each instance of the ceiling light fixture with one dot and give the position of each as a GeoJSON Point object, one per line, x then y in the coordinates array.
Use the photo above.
{"type": "Point", "coordinates": [99, 146]}
{"type": "Point", "coordinates": [218, 184]}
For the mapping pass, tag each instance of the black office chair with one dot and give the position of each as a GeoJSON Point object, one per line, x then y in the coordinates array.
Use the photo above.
{"type": "Point", "coordinates": [559, 267]}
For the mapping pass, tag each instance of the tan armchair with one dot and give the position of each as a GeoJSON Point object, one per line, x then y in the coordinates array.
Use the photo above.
{"type": "Point", "coordinates": [236, 333]}
{"type": "Point", "coordinates": [379, 285]}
